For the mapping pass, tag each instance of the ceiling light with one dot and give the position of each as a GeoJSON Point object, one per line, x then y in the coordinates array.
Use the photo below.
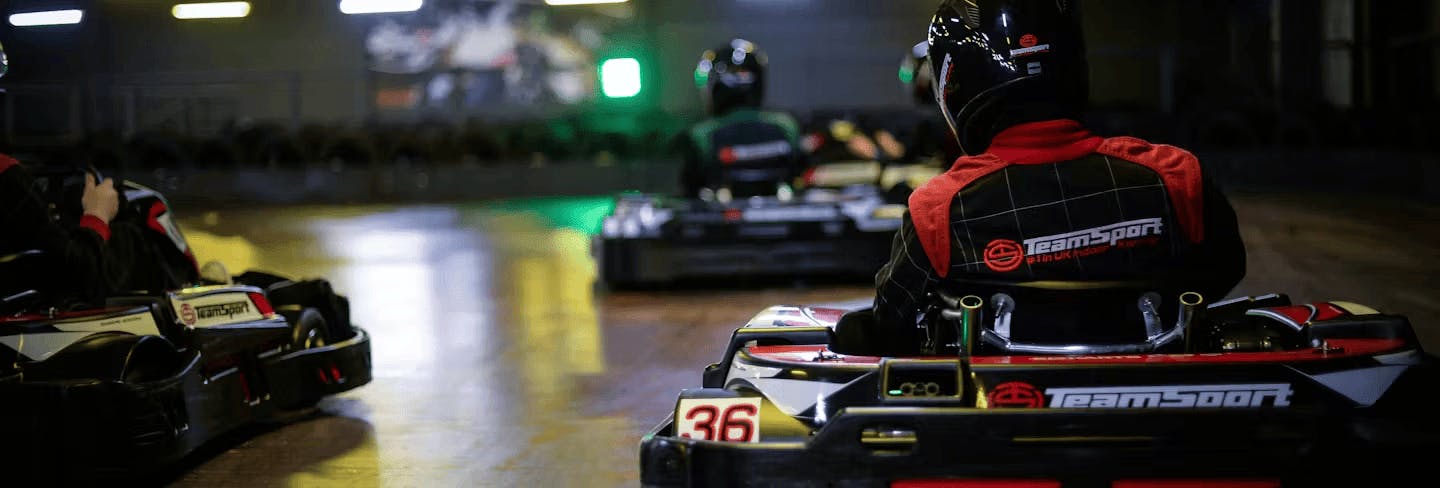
{"type": "Point", "coordinates": [48, 17]}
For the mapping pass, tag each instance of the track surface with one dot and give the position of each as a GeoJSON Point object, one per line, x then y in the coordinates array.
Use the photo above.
{"type": "Point", "coordinates": [498, 364]}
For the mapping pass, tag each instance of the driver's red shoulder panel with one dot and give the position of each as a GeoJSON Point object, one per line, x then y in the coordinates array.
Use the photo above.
{"type": "Point", "coordinates": [1180, 171]}
{"type": "Point", "coordinates": [1052, 142]}
{"type": "Point", "coordinates": [7, 162]}
{"type": "Point", "coordinates": [930, 205]}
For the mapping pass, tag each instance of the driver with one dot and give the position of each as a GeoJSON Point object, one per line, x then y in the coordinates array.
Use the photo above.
{"type": "Point", "coordinates": [81, 249]}
{"type": "Point", "coordinates": [740, 150]}
{"type": "Point", "coordinates": [1037, 197]}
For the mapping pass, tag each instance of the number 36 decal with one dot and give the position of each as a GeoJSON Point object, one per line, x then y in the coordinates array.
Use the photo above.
{"type": "Point", "coordinates": [719, 419]}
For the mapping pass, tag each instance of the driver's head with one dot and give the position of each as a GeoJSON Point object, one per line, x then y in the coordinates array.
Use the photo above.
{"type": "Point", "coordinates": [731, 76]}
{"type": "Point", "coordinates": [1001, 62]}
{"type": "Point", "coordinates": [916, 76]}
{"type": "Point", "coordinates": [4, 62]}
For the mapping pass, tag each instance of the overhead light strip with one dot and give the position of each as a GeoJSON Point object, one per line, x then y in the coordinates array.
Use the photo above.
{"type": "Point", "coordinates": [48, 17]}
{"type": "Point", "coordinates": [353, 7]}
{"type": "Point", "coordinates": [211, 10]}
{"type": "Point", "coordinates": [582, 2]}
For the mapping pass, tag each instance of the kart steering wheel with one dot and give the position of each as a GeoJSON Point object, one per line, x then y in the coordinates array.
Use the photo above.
{"type": "Point", "coordinates": [62, 186]}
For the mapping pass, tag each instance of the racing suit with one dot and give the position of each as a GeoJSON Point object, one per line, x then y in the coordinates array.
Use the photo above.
{"type": "Point", "coordinates": [749, 151]}
{"type": "Point", "coordinates": [1051, 202]}
{"type": "Point", "coordinates": [86, 264]}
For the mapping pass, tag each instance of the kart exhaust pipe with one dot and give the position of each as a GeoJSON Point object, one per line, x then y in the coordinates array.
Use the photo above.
{"type": "Point", "coordinates": [970, 323]}
{"type": "Point", "coordinates": [1190, 312]}
{"type": "Point", "coordinates": [965, 312]}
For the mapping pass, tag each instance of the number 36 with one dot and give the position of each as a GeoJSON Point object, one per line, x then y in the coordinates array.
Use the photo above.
{"type": "Point", "coordinates": [719, 421]}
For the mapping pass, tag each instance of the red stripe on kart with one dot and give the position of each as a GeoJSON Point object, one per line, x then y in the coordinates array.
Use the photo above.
{"type": "Point", "coordinates": [1346, 348]}
{"type": "Point", "coordinates": [1160, 483]}
{"type": "Point", "coordinates": [1013, 483]}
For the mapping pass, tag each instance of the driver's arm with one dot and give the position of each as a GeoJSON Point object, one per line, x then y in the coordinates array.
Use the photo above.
{"type": "Point", "coordinates": [79, 250]}
{"type": "Point", "coordinates": [1220, 261]}
{"type": "Point", "coordinates": [901, 288]}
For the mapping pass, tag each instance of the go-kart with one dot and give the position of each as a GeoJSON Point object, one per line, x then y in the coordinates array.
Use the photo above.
{"type": "Point", "coordinates": [655, 239]}
{"type": "Point", "coordinates": [837, 219]}
{"type": "Point", "coordinates": [1249, 392]}
{"type": "Point", "coordinates": [128, 386]}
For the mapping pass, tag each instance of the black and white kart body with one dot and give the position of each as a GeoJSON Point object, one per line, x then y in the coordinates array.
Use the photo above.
{"type": "Point", "coordinates": [653, 239]}
{"type": "Point", "coordinates": [1266, 394]}
{"type": "Point", "coordinates": [129, 388]}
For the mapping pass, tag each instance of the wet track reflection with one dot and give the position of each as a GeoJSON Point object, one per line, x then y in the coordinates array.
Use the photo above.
{"type": "Point", "coordinates": [498, 363]}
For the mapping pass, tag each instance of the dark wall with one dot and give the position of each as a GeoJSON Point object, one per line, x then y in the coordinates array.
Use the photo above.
{"type": "Point", "coordinates": [132, 66]}
{"type": "Point", "coordinates": [283, 45]}
{"type": "Point", "coordinates": [823, 53]}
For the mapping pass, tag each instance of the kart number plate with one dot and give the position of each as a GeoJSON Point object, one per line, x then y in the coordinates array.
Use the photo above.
{"type": "Point", "coordinates": [719, 419]}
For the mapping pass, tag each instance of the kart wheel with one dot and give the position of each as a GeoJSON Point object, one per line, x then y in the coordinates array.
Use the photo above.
{"type": "Point", "coordinates": [307, 327]}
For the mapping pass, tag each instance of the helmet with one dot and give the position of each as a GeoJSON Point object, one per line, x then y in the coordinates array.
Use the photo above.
{"type": "Point", "coordinates": [731, 76]}
{"type": "Point", "coordinates": [915, 74]}
{"type": "Point", "coordinates": [994, 58]}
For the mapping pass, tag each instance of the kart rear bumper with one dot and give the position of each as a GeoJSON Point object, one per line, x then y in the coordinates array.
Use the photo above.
{"type": "Point", "coordinates": [657, 261]}
{"type": "Point", "coordinates": [93, 429]}
{"type": "Point", "coordinates": [1070, 447]}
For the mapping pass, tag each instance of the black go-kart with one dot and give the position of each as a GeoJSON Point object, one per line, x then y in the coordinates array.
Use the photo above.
{"type": "Point", "coordinates": [838, 223]}
{"type": "Point", "coordinates": [1250, 392]}
{"type": "Point", "coordinates": [128, 387]}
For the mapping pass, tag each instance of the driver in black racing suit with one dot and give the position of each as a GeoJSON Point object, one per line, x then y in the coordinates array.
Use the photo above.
{"type": "Point", "coordinates": [1038, 199]}
{"type": "Point", "coordinates": [84, 259]}
{"type": "Point", "coordinates": [109, 250]}
{"type": "Point", "coordinates": [740, 150]}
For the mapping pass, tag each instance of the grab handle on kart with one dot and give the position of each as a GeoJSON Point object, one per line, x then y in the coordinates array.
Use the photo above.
{"type": "Point", "coordinates": [1157, 335]}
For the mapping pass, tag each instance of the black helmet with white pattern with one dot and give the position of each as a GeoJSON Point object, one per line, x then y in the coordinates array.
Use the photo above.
{"type": "Point", "coordinates": [990, 55]}
{"type": "Point", "coordinates": [731, 76]}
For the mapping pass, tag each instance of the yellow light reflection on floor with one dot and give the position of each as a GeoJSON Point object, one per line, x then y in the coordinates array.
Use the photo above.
{"type": "Point", "coordinates": [236, 253]}
{"type": "Point", "coordinates": [484, 332]}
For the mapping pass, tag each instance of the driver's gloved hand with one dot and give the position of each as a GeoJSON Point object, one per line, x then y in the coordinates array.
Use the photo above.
{"type": "Point", "coordinates": [100, 199]}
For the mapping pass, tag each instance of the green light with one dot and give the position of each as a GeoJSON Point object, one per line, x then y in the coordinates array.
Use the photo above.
{"type": "Point", "coordinates": [906, 76]}
{"type": "Point", "coordinates": [701, 78]}
{"type": "Point", "coordinates": [620, 77]}
{"type": "Point", "coordinates": [581, 213]}
{"type": "Point", "coordinates": [896, 392]}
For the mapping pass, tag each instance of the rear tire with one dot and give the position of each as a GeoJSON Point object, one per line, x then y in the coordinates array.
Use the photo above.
{"type": "Point", "coordinates": [308, 329]}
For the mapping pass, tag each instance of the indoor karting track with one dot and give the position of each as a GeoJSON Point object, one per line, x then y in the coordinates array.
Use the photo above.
{"type": "Point", "coordinates": [498, 364]}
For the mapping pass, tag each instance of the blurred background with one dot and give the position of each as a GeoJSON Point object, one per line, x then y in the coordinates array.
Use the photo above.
{"type": "Point", "coordinates": [512, 98]}
{"type": "Point", "coordinates": [446, 163]}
